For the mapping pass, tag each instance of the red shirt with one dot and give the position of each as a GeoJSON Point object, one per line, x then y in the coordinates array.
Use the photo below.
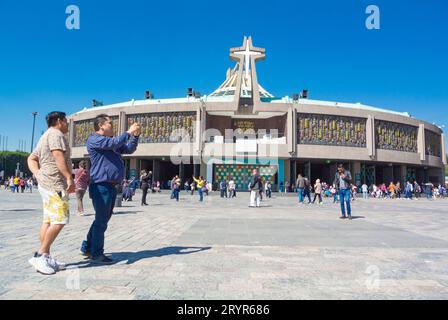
{"type": "Point", "coordinates": [81, 178]}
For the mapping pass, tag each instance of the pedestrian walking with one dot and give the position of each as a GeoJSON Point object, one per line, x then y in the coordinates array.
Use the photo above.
{"type": "Point", "coordinates": [200, 183]}
{"type": "Point", "coordinates": [255, 185]}
{"type": "Point", "coordinates": [82, 183]}
{"type": "Point", "coordinates": [145, 183]}
{"type": "Point", "coordinates": [343, 180]}
{"type": "Point", "coordinates": [318, 191]}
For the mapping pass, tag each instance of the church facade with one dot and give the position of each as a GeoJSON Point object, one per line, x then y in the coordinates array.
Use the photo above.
{"type": "Point", "coordinates": [241, 126]}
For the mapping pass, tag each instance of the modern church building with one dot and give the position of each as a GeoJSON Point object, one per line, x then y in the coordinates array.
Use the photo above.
{"type": "Point", "coordinates": [241, 126]}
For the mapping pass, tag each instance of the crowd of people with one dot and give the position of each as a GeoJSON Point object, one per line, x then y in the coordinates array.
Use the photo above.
{"type": "Point", "coordinates": [18, 184]}
{"type": "Point", "coordinates": [411, 190]}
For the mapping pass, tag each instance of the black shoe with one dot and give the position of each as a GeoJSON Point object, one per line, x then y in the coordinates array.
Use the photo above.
{"type": "Point", "coordinates": [349, 217]}
{"type": "Point", "coordinates": [85, 253]}
{"type": "Point", "coordinates": [342, 217]}
{"type": "Point", "coordinates": [101, 260]}
{"type": "Point", "coordinates": [84, 250]}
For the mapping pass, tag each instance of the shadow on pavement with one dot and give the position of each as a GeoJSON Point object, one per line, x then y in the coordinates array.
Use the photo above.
{"type": "Point", "coordinates": [125, 212]}
{"type": "Point", "coordinates": [132, 257]}
{"type": "Point", "coordinates": [358, 217]}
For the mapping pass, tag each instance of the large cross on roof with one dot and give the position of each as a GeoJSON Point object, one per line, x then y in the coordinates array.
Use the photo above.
{"type": "Point", "coordinates": [248, 51]}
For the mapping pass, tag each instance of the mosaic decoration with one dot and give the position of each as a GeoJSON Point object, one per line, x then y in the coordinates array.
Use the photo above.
{"type": "Point", "coordinates": [162, 127]}
{"type": "Point", "coordinates": [243, 125]}
{"type": "Point", "coordinates": [83, 129]}
{"type": "Point", "coordinates": [433, 143]}
{"type": "Point", "coordinates": [331, 130]}
{"type": "Point", "coordinates": [396, 136]}
{"type": "Point", "coordinates": [242, 173]}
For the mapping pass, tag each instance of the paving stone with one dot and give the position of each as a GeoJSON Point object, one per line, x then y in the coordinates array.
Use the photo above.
{"type": "Point", "coordinates": [192, 250]}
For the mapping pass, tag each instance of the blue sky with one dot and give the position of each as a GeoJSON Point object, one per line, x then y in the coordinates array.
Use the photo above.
{"type": "Point", "coordinates": [126, 47]}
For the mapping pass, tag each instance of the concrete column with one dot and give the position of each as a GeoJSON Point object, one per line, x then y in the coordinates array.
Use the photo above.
{"type": "Point", "coordinates": [203, 170]}
{"type": "Point", "coordinates": [121, 123]}
{"type": "Point", "coordinates": [421, 146]}
{"type": "Point", "coordinates": [198, 132]}
{"type": "Point", "coordinates": [291, 130]}
{"type": "Point", "coordinates": [133, 167]}
{"type": "Point", "coordinates": [371, 136]}
{"type": "Point", "coordinates": [209, 176]}
{"type": "Point", "coordinates": [287, 171]}
{"type": "Point", "coordinates": [442, 140]}
{"type": "Point", "coordinates": [71, 130]}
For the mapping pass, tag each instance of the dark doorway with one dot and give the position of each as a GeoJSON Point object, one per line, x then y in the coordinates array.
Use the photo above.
{"type": "Point", "coordinates": [146, 164]}
{"type": "Point", "coordinates": [379, 174]}
{"type": "Point", "coordinates": [187, 172]}
{"type": "Point", "coordinates": [167, 171]}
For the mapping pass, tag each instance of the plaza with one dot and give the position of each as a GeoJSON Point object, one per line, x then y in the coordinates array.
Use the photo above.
{"type": "Point", "coordinates": [221, 249]}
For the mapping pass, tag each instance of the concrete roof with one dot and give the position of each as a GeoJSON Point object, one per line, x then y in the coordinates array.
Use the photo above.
{"type": "Point", "coordinates": [214, 99]}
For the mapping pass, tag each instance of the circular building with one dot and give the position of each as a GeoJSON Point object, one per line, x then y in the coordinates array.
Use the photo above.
{"type": "Point", "coordinates": [241, 126]}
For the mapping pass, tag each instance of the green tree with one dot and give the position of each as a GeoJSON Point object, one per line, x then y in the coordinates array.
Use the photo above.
{"type": "Point", "coordinates": [9, 160]}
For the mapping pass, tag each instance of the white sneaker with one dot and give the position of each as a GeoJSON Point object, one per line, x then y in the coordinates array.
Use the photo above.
{"type": "Point", "coordinates": [55, 264]}
{"type": "Point", "coordinates": [41, 265]}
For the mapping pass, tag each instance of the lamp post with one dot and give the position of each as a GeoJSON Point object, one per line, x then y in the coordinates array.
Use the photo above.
{"type": "Point", "coordinates": [34, 125]}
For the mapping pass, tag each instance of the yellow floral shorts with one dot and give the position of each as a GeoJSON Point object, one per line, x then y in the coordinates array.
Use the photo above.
{"type": "Point", "coordinates": [56, 206]}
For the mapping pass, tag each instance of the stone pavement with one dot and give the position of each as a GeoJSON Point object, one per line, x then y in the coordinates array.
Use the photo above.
{"type": "Point", "coordinates": [221, 249]}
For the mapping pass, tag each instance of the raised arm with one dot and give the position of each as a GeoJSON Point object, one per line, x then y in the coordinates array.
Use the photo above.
{"type": "Point", "coordinates": [107, 143]}
{"type": "Point", "coordinates": [130, 147]}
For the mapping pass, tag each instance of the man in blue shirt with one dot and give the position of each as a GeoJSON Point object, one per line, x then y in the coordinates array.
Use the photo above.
{"type": "Point", "coordinates": [106, 171]}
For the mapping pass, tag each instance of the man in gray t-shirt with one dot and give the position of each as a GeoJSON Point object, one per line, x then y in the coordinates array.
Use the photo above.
{"type": "Point", "coordinates": [343, 180]}
{"type": "Point", "coordinates": [50, 164]}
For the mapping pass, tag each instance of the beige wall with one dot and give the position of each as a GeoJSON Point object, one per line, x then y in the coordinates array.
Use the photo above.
{"type": "Point", "coordinates": [370, 153]}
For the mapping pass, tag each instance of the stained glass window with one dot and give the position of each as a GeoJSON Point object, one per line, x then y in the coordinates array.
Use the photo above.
{"type": "Point", "coordinates": [396, 136]}
{"type": "Point", "coordinates": [83, 129]}
{"type": "Point", "coordinates": [166, 127]}
{"type": "Point", "coordinates": [331, 130]}
{"type": "Point", "coordinates": [433, 143]}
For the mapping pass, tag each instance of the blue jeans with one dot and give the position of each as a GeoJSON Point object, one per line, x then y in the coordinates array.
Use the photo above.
{"type": "Point", "coordinates": [306, 194]}
{"type": "Point", "coordinates": [300, 194]}
{"type": "Point", "coordinates": [201, 194]}
{"type": "Point", "coordinates": [103, 196]}
{"type": "Point", "coordinates": [344, 195]}
{"type": "Point", "coordinates": [176, 194]}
